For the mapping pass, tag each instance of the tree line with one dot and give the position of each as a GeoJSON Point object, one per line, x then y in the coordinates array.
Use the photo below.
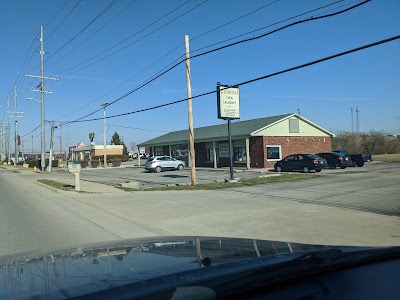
{"type": "Point", "coordinates": [373, 143]}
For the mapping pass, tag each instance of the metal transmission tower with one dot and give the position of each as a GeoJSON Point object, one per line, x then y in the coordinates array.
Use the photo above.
{"type": "Point", "coordinates": [42, 92]}
{"type": "Point", "coordinates": [352, 120]}
{"type": "Point", "coordinates": [357, 121]}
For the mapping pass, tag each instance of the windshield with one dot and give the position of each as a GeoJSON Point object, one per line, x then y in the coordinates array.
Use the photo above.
{"type": "Point", "coordinates": [124, 120]}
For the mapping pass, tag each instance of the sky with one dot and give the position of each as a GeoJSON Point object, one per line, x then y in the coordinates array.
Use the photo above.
{"type": "Point", "coordinates": [102, 49]}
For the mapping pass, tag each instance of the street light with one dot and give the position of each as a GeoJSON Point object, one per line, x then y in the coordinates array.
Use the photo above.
{"type": "Point", "coordinates": [104, 133]}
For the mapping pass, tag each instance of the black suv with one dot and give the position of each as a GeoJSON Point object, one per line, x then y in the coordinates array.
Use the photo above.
{"type": "Point", "coordinates": [335, 160]}
{"type": "Point", "coordinates": [300, 162]}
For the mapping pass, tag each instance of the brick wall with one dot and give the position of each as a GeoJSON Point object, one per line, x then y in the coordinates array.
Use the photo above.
{"type": "Point", "coordinates": [149, 151]}
{"type": "Point", "coordinates": [100, 152]}
{"type": "Point", "coordinates": [292, 145]}
{"type": "Point", "coordinates": [257, 153]}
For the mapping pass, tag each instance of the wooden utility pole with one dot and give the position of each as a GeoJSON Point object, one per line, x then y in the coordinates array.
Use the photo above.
{"type": "Point", "coordinates": [190, 113]}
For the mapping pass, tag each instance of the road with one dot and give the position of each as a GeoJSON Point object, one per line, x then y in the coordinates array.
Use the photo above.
{"type": "Point", "coordinates": [36, 218]}
{"type": "Point", "coordinates": [357, 206]}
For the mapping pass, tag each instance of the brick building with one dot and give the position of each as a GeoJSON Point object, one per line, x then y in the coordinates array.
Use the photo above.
{"type": "Point", "coordinates": [87, 152]}
{"type": "Point", "coordinates": [257, 143]}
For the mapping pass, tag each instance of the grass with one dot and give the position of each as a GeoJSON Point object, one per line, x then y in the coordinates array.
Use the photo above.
{"type": "Point", "coordinates": [218, 185]}
{"type": "Point", "coordinates": [387, 158]}
{"type": "Point", "coordinates": [57, 185]}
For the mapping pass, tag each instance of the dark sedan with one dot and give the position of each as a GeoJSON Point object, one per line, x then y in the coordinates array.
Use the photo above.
{"type": "Point", "coordinates": [300, 162]}
{"type": "Point", "coordinates": [335, 160]}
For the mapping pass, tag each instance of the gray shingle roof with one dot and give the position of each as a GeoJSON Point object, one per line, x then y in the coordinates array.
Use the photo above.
{"type": "Point", "coordinates": [217, 132]}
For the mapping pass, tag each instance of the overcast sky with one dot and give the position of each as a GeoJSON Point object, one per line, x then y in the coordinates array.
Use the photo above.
{"type": "Point", "coordinates": [101, 50]}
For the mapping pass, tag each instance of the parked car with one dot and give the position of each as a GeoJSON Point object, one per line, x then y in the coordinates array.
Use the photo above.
{"type": "Point", "coordinates": [300, 162]}
{"type": "Point", "coordinates": [161, 163]}
{"type": "Point", "coordinates": [335, 160]}
{"type": "Point", "coordinates": [144, 156]}
{"type": "Point", "coordinates": [357, 159]}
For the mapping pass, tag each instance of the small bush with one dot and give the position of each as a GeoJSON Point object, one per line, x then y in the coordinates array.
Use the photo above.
{"type": "Point", "coordinates": [84, 164]}
{"type": "Point", "coordinates": [115, 162]}
{"type": "Point", "coordinates": [33, 163]}
{"type": "Point", "coordinates": [94, 163]}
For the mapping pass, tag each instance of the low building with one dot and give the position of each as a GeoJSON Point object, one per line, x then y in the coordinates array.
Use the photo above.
{"type": "Point", "coordinates": [87, 152]}
{"type": "Point", "coordinates": [257, 143]}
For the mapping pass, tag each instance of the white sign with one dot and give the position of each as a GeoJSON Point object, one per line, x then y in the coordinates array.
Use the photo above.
{"type": "Point", "coordinates": [223, 150]}
{"type": "Point", "coordinates": [228, 103]}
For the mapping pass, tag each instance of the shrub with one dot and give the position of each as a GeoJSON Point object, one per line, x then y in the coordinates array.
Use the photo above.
{"type": "Point", "coordinates": [115, 162]}
{"type": "Point", "coordinates": [84, 164]}
{"type": "Point", "coordinates": [94, 163]}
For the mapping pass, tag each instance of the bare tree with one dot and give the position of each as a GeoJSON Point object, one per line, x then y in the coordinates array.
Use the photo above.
{"type": "Point", "coordinates": [133, 146]}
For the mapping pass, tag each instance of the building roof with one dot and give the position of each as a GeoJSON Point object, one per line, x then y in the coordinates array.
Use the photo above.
{"type": "Point", "coordinates": [216, 132]}
{"type": "Point", "coordinates": [241, 129]}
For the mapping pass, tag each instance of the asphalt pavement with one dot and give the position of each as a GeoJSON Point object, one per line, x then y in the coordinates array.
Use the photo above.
{"type": "Point", "coordinates": [356, 206]}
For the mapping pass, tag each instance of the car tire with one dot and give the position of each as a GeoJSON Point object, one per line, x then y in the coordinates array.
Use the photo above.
{"type": "Point", "coordinates": [306, 170]}
{"type": "Point", "coordinates": [157, 169]}
{"type": "Point", "coordinates": [317, 170]}
{"type": "Point", "coordinates": [180, 167]}
{"type": "Point", "coordinates": [278, 169]}
{"type": "Point", "coordinates": [360, 164]}
{"type": "Point", "coordinates": [343, 168]}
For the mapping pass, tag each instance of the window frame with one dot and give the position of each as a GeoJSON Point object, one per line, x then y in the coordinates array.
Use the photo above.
{"type": "Point", "coordinates": [280, 152]}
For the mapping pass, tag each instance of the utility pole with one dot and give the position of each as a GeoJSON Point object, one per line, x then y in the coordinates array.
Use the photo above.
{"type": "Point", "coordinates": [8, 133]}
{"type": "Point", "coordinates": [190, 114]}
{"type": "Point", "coordinates": [352, 120]}
{"type": "Point", "coordinates": [105, 135]}
{"type": "Point", "coordinates": [16, 154]}
{"type": "Point", "coordinates": [51, 146]}
{"type": "Point", "coordinates": [42, 92]}
{"type": "Point", "coordinates": [32, 146]}
{"type": "Point", "coordinates": [1, 144]}
{"type": "Point", "coordinates": [61, 148]}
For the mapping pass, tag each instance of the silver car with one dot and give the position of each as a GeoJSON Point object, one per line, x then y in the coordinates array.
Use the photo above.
{"type": "Point", "coordinates": [160, 163]}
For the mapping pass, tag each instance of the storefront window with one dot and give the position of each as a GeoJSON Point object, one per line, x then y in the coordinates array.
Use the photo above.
{"type": "Point", "coordinates": [239, 154]}
{"type": "Point", "coordinates": [274, 152]}
{"type": "Point", "coordinates": [210, 155]}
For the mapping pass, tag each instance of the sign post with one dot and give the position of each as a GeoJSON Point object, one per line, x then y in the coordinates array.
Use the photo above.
{"type": "Point", "coordinates": [74, 167]}
{"type": "Point", "coordinates": [228, 105]}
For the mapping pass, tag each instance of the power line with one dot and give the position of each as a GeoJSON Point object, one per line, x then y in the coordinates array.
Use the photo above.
{"type": "Point", "coordinates": [267, 26]}
{"type": "Point", "coordinates": [56, 12]}
{"type": "Point", "coordinates": [84, 28]}
{"type": "Point", "coordinates": [154, 77]}
{"type": "Point", "coordinates": [144, 129]}
{"type": "Point", "coordinates": [62, 21]}
{"type": "Point", "coordinates": [85, 40]}
{"type": "Point", "coordinates": [253, 80]}
{"type": "Point", "coordinates": [126, 46]}
{"type": "Point", "coordinates": [164, 56]}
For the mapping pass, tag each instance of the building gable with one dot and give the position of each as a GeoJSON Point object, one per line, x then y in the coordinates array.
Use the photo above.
{"type": "Point", "coordinates": [293, 125]}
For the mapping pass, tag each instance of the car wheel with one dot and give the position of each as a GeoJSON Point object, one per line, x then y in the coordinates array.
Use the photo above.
{"type": "Point", "coordinates": [180, 167]}
{"type": "Point", "coordinates": [306, 170]}
{"type": "Point", "coordinates": [343, 168]}
{"type": "Point", "coordinates": [158, 169]}
{"type": "Point", "coordinates": [317, 170]}
{"type": "Point", "coordinates": [278, 169]}
{"type": "Point", "coordinates": [360, 164]}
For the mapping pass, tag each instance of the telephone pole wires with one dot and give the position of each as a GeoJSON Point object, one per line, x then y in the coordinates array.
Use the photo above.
{"type": "Point", "coordinates": [190, 114]}
{"type": "Point", "coordinates": [42, 92]}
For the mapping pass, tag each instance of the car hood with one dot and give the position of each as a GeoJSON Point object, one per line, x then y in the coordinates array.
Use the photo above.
{"type": "Point", "coordinates": [88, 269]}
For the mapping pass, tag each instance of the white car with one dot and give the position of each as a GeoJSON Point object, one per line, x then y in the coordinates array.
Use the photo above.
{"type": "Point", "coordinates": [160, 163]}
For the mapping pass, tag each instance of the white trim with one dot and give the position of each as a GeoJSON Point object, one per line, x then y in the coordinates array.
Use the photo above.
{"type": "Point", "coordinates": [274, 159]}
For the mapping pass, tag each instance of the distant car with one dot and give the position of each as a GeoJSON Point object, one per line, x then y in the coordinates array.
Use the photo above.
{"type": "Point", "coordinates": [161, 163]}
{"type": "Point", "coordinates": [300, 162]}
{"type": "Point", "coordinates": [358, 159]}
{"type": "Point", "coordinates": [144, 156]}
{"type": "Point", "coordinates": [335, 160]}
